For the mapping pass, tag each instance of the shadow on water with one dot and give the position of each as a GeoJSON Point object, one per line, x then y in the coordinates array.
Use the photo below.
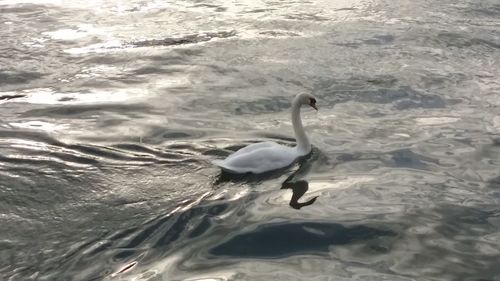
{"type": "Point", "coordinates": [266, 241]}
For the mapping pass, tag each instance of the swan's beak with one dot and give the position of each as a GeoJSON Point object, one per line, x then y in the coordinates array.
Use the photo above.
{"type": "Point", "coordinates": [314, 106]}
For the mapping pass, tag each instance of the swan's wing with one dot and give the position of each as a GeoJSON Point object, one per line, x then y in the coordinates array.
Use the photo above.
{"type": "Point", "coordinates": [252, 147]}
{"type": "Point", "coordinates": [262, 159]}
{"type": "Point", "coordinates": [224, 164]}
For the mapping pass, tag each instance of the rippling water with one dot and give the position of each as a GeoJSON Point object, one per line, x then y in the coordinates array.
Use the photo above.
{"type": "Point", "coordinates": [111, 111]}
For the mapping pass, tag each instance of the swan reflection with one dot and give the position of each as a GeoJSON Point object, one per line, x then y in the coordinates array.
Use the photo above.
{"type": "Point", "coordinates": [299, 188]}
{"type": "Point", "coordinates": [298, 184]}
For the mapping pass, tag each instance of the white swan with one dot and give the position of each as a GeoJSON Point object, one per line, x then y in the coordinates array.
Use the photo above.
{"type": "Point", "coordinates": [267, 156]}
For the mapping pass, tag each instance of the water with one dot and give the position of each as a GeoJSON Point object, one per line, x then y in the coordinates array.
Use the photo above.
{"type": "Point", "coordinates": [111, 111]}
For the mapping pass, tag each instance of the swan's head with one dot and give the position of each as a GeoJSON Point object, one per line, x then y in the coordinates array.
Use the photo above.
{"type": "Point", "coordinates": [306, 99]}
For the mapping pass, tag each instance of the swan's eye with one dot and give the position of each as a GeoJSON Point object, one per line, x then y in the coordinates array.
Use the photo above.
{"type": "Point", "coordinates": [312, 103]}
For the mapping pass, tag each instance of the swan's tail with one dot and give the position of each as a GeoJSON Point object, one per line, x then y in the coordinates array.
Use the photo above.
{"type": "Point", "coordinates": [224, 166]}
{"type": "Point", "coordinates": [219, 163]}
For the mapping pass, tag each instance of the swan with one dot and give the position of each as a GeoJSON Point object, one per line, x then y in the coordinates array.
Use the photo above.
{"type": "Point", "coordinates": [267, 156]}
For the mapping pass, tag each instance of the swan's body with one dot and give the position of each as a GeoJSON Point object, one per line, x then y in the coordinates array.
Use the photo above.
{"type": "Point", "coordinates": [267, 156]}
{"type": "Point", "coordinates": [259, 158]}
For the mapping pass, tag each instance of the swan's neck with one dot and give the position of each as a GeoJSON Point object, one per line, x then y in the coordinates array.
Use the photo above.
{"type": "Point", "coordinates": [303, 144]}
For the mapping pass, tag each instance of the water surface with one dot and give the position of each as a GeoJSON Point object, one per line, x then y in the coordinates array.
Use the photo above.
{"type": "Point", "coordinates": [111, 111]}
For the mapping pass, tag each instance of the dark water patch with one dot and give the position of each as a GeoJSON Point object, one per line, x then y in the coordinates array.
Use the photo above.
{"type": "Point", "coordinates": [175, 135]}
{"type": "Point", "coordinates": [109, 153]}
{"type": "Point", "coordinates": [148, 242]}
{"type": "Point", "coordinates": [461, 245]}
{"type": "Point", "coordinates": [178, 89]}
{"type": "Point", "coordinates": [157, 135]}
{"type": "Point", "coordinates": [278, 33]}
{"type": "Point", "coordinates": [157, 70]}
{"type": "Point", "coordinates": [10, 97]}
{"type": "Point", "coordinates": [106, 123]}
{"type": "Point", "coordinates": [71, 158]}
{"type": "Point", "coordinates": [171, 60]}
{"type": "Point", "coordinates": [100, 59]}
{"type": "Point", "coordinates": [459, 40]}
{"type": "Point", "coordinates": [264, 105]}
{"type": "Point", "coordinates": [353, 45]}
{"type": "Point", "coordinates": [187, 163]}
{"type": "Point", "coordinates": [146, 232]}
{"type": "Point", "coordinates": [483, 8]}
{"type": "Point", "coordinates": [18, 77]}
{"type": "Point", "coordinates": [23, 9]}
{"type": "Point", "coordinates": [30, 135]}
{"type": "Point", "coordinates": [405, 158]}
{"type": "Point", "coordinates": [131, 154]}
{"type": "Point", "coordinates": [188, 39]}
{"type": "Point", "coordinates": [223, 70]}
{"type": "Point", "coordinates": [277, 240]}
{"type": "Point", "coordinates": [434, 80]}
{"type": "Point", "coordinates": [496, 141]}
{"type": "Point", "coordinates": [494, 183]}
{"type": "Point", "coordinates": [202, 227]}
{"type": "Point", "coordinates": [189, 52]}
{"type": "Point", "coordinates": [36, 160]}
{"type": "Point", "coordinates": [356, 89]}
{"type": "Point", "coordinates": [163, 231]}
{"type": "Point", "coordinates": [31, 197]}
{"type": "Point", "coordinates": [137, 148]}
{"type": "Point", "coordinates": [47, 150]}
{"type": "Point", "coordinates": [379, 40]}
{"type": "Point", "coordinates": [256, 11]}
{"type": "Point", "coordinates": [205, 5]}
{"type": "Point", "coordinates": [89, 109]}
{"type": "Point", "coordinates": [123, 233]}
{"type": "Point", "coordinates": [126, 79]}
{"type": "Point", "coordinates": [62, 155]}
{"type": "Point", "coordinates": [463, 215]}
{"type": "Point", "coordinates": [180, 146]}
{"type": "Point", "coordinates": [216, 152]}
{"type": "Point", "coordinates": [242, 107]}
{"type": "Point", "coordinates": [385, 81]}
{"type": "Point", "coordinates": [306, 17]}
{"type": "Point", "coordinates": [66, 99]}
{"type": "Point", "coordinates": [176, 227]}
{"type": "Point", "coordinates": [74, 252]}
{"type": "Point", "coordinates": [346, 9]}
{"type": "Point", "coordinates": [96, 248]}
